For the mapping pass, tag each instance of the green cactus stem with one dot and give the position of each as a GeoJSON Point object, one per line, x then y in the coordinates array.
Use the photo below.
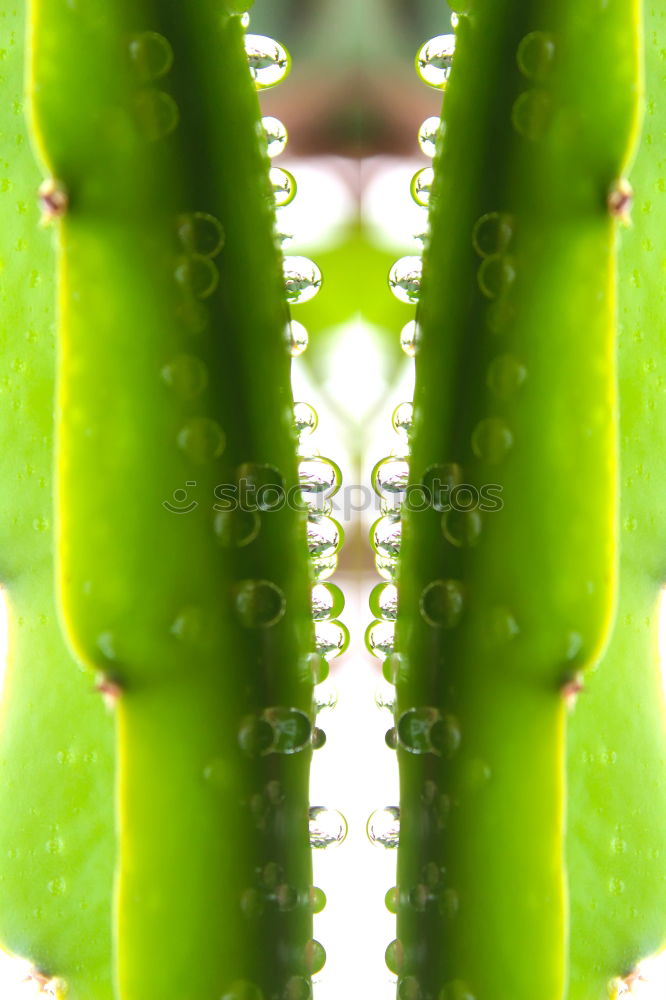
{"type": "Point", "coordinates": [173, 381]}
{"type": "Point", "coordinates": [502, 611]}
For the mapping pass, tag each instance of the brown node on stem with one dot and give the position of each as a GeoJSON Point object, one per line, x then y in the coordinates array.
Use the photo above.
{"type": "Point", "coordinates": [53, 200]}
{"type": "Point", "coordinates": [620, 200]}
{"type": "Point", "coordinates": [109, 688]}
{"type": "Point", "coordinates": [49, 986]}
{"type": "Point", "coordinates": [571, 688]}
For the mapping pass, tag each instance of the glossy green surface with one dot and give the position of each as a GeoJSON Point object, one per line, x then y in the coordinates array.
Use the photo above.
{"type": "Point", "coordinates": [516, 384]}
{"type": "Point", "coordinates": [617, 735]}
{"type": "Point", "coordinates": [56, 740]}
{"type": "Point", "coordinates": [174, 373]}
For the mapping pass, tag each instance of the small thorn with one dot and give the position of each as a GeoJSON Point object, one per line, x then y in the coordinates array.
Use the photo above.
{"type": "Point", "coordinates": [48, 986]}
{"type": "Point", "coordinates": [620, 200]}
{"type": "Point", "coordinates": [571, 688]}
{"type": "Point", "coordinates": [53, 200]}
{"type": "Point", "coordinates": [623, 985]}
{"type": "Point", "coordinates": [109, 688]}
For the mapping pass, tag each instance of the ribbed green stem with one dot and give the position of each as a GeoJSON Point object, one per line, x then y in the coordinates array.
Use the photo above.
{"type": "Point", "coordinates": [161, 385]}
{"type": "Point", "coordinates": [516, 386]}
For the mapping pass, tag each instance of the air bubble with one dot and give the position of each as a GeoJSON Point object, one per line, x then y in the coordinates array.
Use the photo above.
{"type": "Point", "coordinates": [428, 135]}
{"type": "Point", "coordinates": [151, 54]}
{"type": "Point", "coordinates": [302, 279]}
{"type": "Point", "coordinates": [158, 114]}
{"type": "Point", "coordinates": [197, 275]}
{"type": "Point", "coordinates": [324, 535]}
{"type": "Point", "coordinates": [328, 602]}
{"type": "Point", "coordinates": [390, 476]}
{"type": "Point", "coordinates": [505, 376]}
{"type": "Point", "coordinates": [492, 234]}
{"type": "Point", "coordinates": [283, 186]}
{"type": "Point", "coordinates": [421, 187]}
{"type": "Point", "coordinates": [380, 638]}
{"type": "Point", "coordinates": [186, 375]}
{"type": "Point", "coordinates": [202, 440]}
{"type": "Point", "coordinates": [275, 135]}
{"type": "Point", "coordinates": [297, 338]}
{"type": "Point", "coordinates": [496, 275]}
{"type": "Point", "coordinates": [305, 419]}
{"type": "Point", "coordinates": [268, 61]}
{"type": "Point", "coordinates": [258, 603]}
{"type": "Point", "coordinates": [319, 475]}
{"type": "Point", "coordinates": [328, 827]}
{"type": "Point", "coordinates": [434, 60]}
{"type": "Point", "coordinates": [331, 638]}
{"type": "Point", "coordinates": [405, 279]}
{"type": "Point", "coordinates": [442, 603]}
{"type": "Point", "coordinates": [492, 440]}
{"type": "Point", "coordinates": [535, 55]}
{"type": "Point", "coordinates": [291, 729]}
{"type": "Point", "coordinates": [236, 528]}
{"type": "Point", "coordinates": [531, 114]}
{"type": "Point", "coordinates": [322, 569]}
{"type": "Point", "coordinates": [402, 418]}
{"type": "Point", "coordinates": [383, 827]}
{"type": "Point", "coordinates": [462, 528]}
{"type": "Point", "coordinates": [410, 337]}
{"type": "Point", "coordinates": [201, 233]}
{"type": "Point", "coordinates": [383, 601]}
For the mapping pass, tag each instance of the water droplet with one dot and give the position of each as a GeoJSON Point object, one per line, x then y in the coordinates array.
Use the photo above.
{"type": "Point", "coordinates": [197, 275]}
{"type": "Point", "coordinates": [386, 536]}
{"type": "Point", "coordinates": [391, 899]}
{"type": "Point", "coordinates": [297, 988]}
{"type": "Point", "coordinates": [496, 275]}
{"type": "Point", "coordinates": [322, 569]}
{"type": "Point", "coordinates": [421, 186]}
{"type": "Point", "coordinates": [383, 601]}
{"type": "Point", "coordinates": [492, 234]}
{"type": "Point", "coordinates": [297, 338]}
{"type": "Point", "coordinates": [409, 989]}
{"type": "Point", "coordinates": [319, 475]}
{"type": "Point", "coordinates": [428, 135]}
{"type": "Point", "coordinates": [405, 279]}
{"type": "Point", "coordinates": [317, 899]}
{"type": "Point", "coordinates": [415, 730]}
{"type": "Point", "coordinates": [462, 527]}
{"type": "Point", "coordinates": [315, 666]}
{"type": "Point", "coordinates": [201, 233]}
{"type": "Point", "coordinates": [328, 827]}
{"type": "Point", "coordinates": [186, 375]}
{"type": "Point", "coordinates": [325, 536]}
{"type": "Point", "coordinates": [402, 418]}
{"type": "Point", "coordinates": [387, 567]}
{"type": "Point", "coordinates": [505, 376]}
{"type": "Point", "coordinates": [201, 439]}
{"type": "Point", "coordinates": [305, 419]}
{"type": "Point", "coordinates": [395, 957]}
{"type": "Point", "coordinates": [157, 112]}
{"type": "Point", "coordinates": [390, 476]}
{"type": "Point", "coordinates": [242, 990]}
{"type": "Point", "coordinates": [318, 738]}
{"type": "Point", "coordinates": [442, 603]}
{"type": "Point", "coordinates": [261, 486]}
{"type": "Point", "coordinates": [395, 668]}
{"type": "Point", "coordinates": [291, 729]}
{"type": "Point", "coordinates": [410, 337]}
{"type": "Point", "coordinates": [236, 528]}
{"type": "Point", "coordinates": [302, 279]}
{"type": "Point", "coordinates": [391, 738]}
{"type": "Point", "coordinates": [531, 114]}
{"type": "Point", "coordinates": [449, 903]}
{"type": "Point", "coordinates": [326, 697]}
{"type": "Point", "coordinates": [380, 638]}
{"type": "Point", "coordinates": [492, 440]}
{"type": "Point", "coordinates": [286, 897]}
{"type": "Point", "coordinates": [331, 638]}
{"type": "Point", "coordinates": [283, 186]}
{"type": "Point", "coordinates": [383, 827]}
{"type": "Point", "coordinates": [268, 61]}
{"type": "Point", "coordinates": [275, 135]}
{"type": "Point", "coordinates": [535, 55]}
{"type": "Point", "coordinates": [314, 957]}
{"type": "Point", "coordinates": [434, 60]}
{"type": "Point", "coordinates": [328, 602]}
{"type": "Point", "coordinates": [57, 886]}
{"type": "Point", "coordinates": [251, 903]}
{"type": "Point", "coordinates": [439, 480]}
{"type": "Point", "coordinates": [151, 54]}
{"type": "Point", "coordinates": [271, 875]}
{"type": "Point", "coordinates": [193, 314]}
{"type": "Point", "coordinates": [255, 735]}
{"type": "Point", "coordinates": [258, 603]}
